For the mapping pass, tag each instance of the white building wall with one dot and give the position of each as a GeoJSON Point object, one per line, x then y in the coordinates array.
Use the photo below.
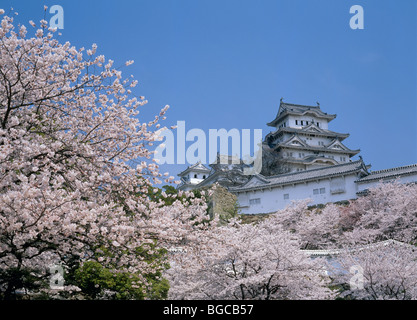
{"type": "Point", "coordinates": [291, 121]}
{"type": "Point", "coordinates": [196, 177]}
{"type": "Point", "coordinates": [371, 184]}
{"type": "Point", "coordinates": [314, 141]}
{"type": "Point", "coordinates": [273, 200]}
{"type": "Point", "coordinates": [310, 140]}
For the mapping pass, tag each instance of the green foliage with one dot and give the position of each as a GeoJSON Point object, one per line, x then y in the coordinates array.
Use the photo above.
{"type": "Point", "coordinates": [158, 196]}
{"type": "Point", "coordinates": [95, 281]}
{"type": "Point", "coordinates": [99, 281]}
{"type": "Point", "coordinates": [19, 278]}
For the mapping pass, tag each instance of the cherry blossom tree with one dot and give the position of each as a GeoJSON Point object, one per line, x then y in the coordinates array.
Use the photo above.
{"type": "Point", "coordinates": [385, 270]}
{"type": "Point", "coordinates": [76, 166]}
{"type": "Point", "coordinates": [374, 234]}
{"type": "Point", "coordinates": [246, 261]}
{"type": "Point", "coordinates": [379, 240]}
{"type": "Point", "coordinates": [388, 211]}
{"type": "Point", "coordinates": [76, 190]}
{"type": "Point", "coordinates": [317, 228]}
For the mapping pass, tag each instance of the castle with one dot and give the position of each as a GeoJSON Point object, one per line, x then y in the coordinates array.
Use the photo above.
{"type": "Point", "coordinates": [301, 159]}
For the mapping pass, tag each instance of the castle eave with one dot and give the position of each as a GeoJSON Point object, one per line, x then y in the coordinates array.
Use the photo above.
{"type": "Point", "coordinates": [356, 167]}
{"type": "Point", "coordinates": [302, 132]}
{"type": "Point", "coordinates": [299, 110]}
{"type": "Point", "coordinates": [316, 149]}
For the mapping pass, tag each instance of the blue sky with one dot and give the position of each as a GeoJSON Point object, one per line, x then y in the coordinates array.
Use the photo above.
{"type": "Point", "coordinates": [226, 64]}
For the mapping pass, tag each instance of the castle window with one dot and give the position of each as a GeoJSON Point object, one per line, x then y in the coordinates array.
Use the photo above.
{"type": "Point", "coordinates": [306, 122]}
{"type": "Point", "coordinates": [318, 124]}
{"type": "Point", "coordinates": [255, 201]}
{"type": "Point", "coordinates": [302, 122]}
{"type": "Point", "coordinates": [195, 176]}
{"type": "Point", "coordinates": [296, 122]}
{"type": "Point", "coordinates": [319, 191]}
{"type": "Point", "coordinates": [204, 176]}
{"type": "Point", "coordinates": [286, 196]}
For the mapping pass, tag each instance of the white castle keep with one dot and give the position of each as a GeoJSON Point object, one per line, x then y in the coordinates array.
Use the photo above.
{"type": "Point", "coordinates": [302, 159]}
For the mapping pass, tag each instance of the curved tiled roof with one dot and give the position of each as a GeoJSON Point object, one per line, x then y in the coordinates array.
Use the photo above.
{"type": "Point", "coordinates": [198, 167]}
{"type": "Point", "coordinates": [307, 175]}
{"type": "Point", "coordinates": [391, 173]}
{"type": "Point", "coordinates": [298, 109]}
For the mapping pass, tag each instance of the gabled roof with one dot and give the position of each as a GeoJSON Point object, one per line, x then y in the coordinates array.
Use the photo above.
{"type": "Point", "coordinates": [298, 109]}
{"type": "Point", "coordinates": [354, 167]}
{"type": "Point", "coordinates": [224, 178]}
{"type": "Point", "coordinates": [212, 178]}
{"type": "Point", "coordinates": [257, 180]}
{"type": "Point", "coordinates": [198, 167]}
{"type": "Point", "coordinates": [295, 140]}
{"type": "Point", "coordinates": [337, 145]}
{"type": "Point", "coordinates": [391, 173]}
{"type": "Point", "coordinates": [312, 127]}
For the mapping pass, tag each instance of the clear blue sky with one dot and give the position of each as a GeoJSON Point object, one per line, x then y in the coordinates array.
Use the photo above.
{"type": "Point", "coordinates": [226, 64]}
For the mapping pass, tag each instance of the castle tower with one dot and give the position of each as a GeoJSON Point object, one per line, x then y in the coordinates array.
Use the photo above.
{"type": "Point", "coordinates": [302, 139]}
{"type": "Point", "coordinates": [192, 176]}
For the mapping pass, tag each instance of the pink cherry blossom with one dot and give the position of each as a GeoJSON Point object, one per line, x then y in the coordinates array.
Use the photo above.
{"type": "Point", "coordinates": [75, 163]}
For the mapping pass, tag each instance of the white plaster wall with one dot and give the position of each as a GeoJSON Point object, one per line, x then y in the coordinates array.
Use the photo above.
{"type": "Point", "coordinates": [314, 141]}
{"type": "Point", "coordinates": [273, 200]}
{"type": "Point", "coordinates": [291, 121]}
{"type": "Point", "coordinates": [199, 177]}
{"type": "Point", "coordinates": [195, 181]}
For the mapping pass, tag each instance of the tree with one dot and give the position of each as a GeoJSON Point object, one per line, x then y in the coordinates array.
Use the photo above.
{"type": "Point", "coordinates": [246, 261]}
{"type": "Point", "coordinates": [379, 239]}
{"type": "Point", "coordinates": [266, 260]}
{"type": "Point", "coordinates": [98, 282]}
{"type": "Point", "coordinates": [375, 235]}
{"type": "Point", "coordinates": [75, 167]}
{"type": "Point", "coordinates": [388, 211]}
{"type": "Point", "coordinates": [317, 228]}
{"type": "Point", "coordinates": [382, 271]}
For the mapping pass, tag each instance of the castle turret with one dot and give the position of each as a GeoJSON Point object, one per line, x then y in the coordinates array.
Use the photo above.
{"type": "Point", "coordinates": [192, 176]}
{"type": "Point", "coordinates": [302, 138]}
